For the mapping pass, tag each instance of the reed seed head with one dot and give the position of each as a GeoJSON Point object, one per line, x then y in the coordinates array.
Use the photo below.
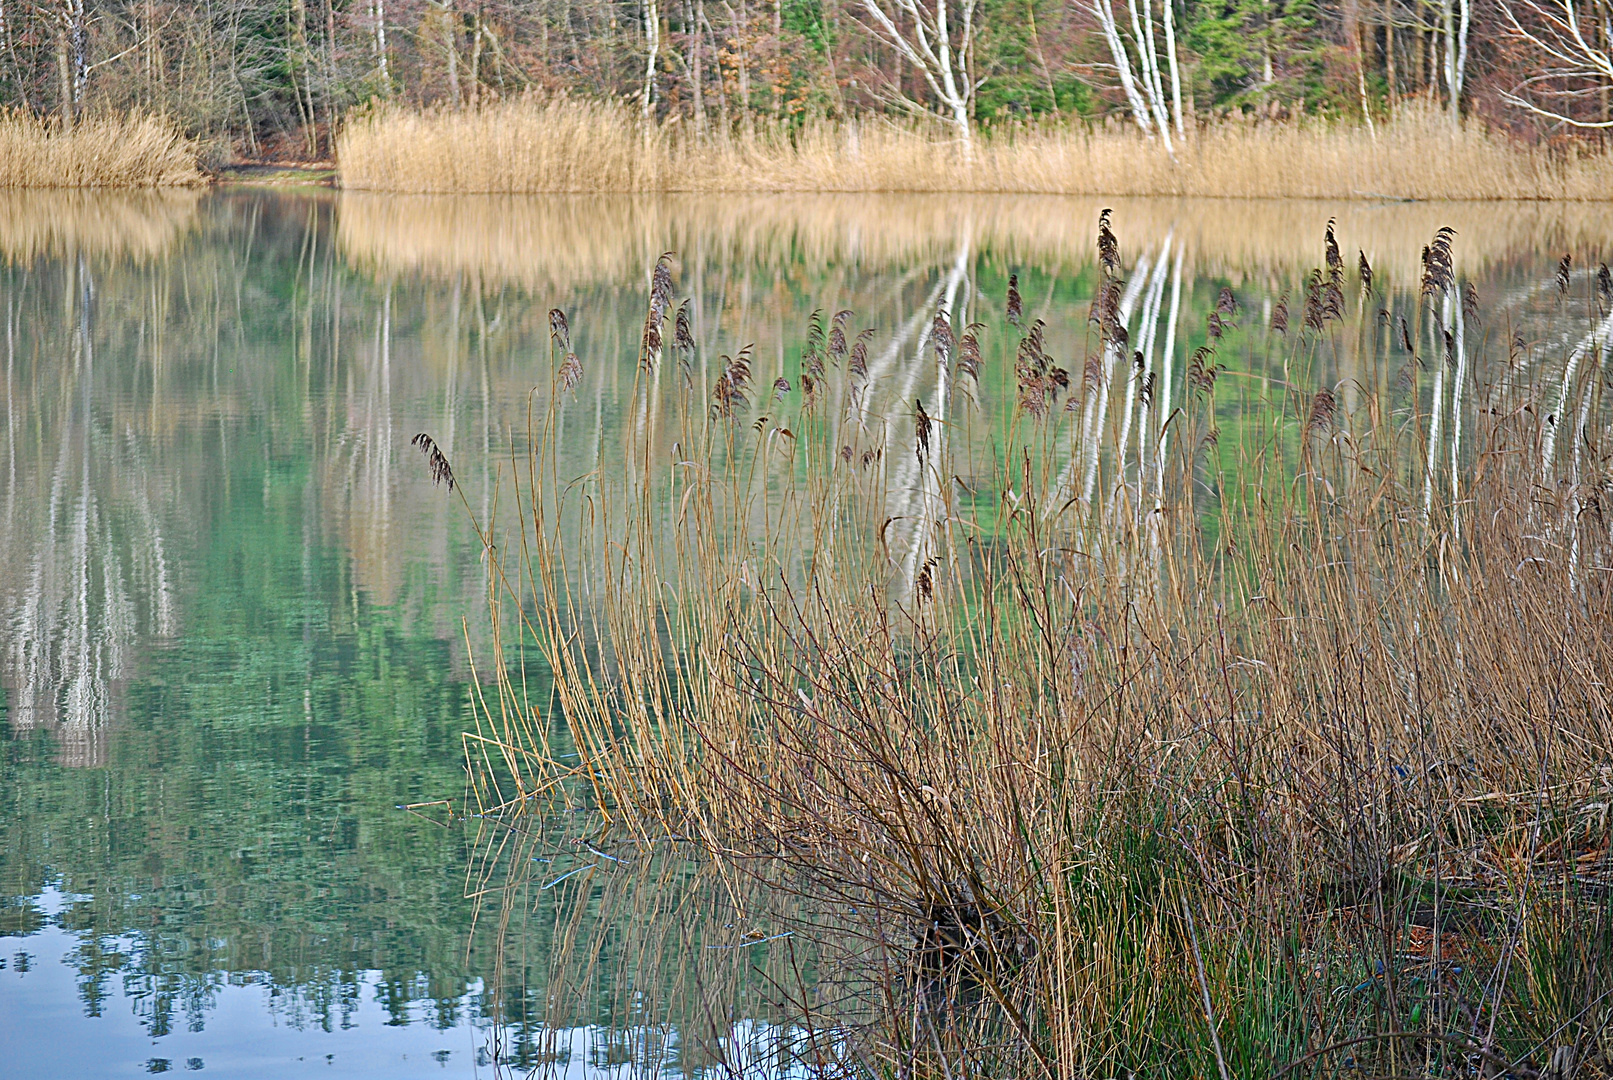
{"type": "Point", "coordinates": [436, 460]}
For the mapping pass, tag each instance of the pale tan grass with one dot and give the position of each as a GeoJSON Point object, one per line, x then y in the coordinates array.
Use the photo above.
{"type": "Point", "coordinates": [121, 151]}
{"type": "Point", "coordinates": [564, 145]}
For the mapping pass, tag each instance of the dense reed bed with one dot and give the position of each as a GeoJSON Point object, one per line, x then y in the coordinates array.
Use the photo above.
{"type": "Point", "coordinates": [1232, 712]}
{"type": "Point", "coordinates": [566, 145]}
{"type": "Point", "coordinates": [97, 152]}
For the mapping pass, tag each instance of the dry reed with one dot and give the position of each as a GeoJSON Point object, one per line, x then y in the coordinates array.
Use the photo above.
{"type": "Point", "coordinates": [567, 145]}
{"type": "Point", "coordinates": [1261, 729]}
{"type": "Point", "coordinates": [97, 152]}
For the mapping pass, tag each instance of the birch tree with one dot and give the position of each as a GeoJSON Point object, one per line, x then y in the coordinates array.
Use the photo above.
{"type": "Point", "coordinates": [1142, 79]}
{"type": "Point", "coordinates": [935, 40]}
{"type": "Point", "coordinates": [1455, 16]}
{"type": "Point", "coordinates": [1571, 40]}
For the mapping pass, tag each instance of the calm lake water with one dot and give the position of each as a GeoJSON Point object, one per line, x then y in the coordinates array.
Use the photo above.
{"type": "Point", "coordinates": [231, 645]}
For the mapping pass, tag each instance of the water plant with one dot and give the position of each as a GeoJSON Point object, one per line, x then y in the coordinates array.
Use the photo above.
{"type": "Point", "coordinates": [1161, 712]}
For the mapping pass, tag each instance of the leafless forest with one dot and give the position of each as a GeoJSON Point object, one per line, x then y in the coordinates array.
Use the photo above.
{"type": "Point", "coordinates": [274, 78]}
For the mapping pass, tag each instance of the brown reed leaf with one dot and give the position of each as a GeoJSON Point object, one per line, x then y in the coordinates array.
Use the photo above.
{"type": "Point", "coordinates": [1405, 336]}
{"type": "Point", "coordinates": [436, 460]}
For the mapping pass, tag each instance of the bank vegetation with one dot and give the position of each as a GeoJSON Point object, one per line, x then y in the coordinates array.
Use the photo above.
{"type": "Point", "coordinates": [1233, 710]}
{"type": "Point", "coordinates": [570, 145]}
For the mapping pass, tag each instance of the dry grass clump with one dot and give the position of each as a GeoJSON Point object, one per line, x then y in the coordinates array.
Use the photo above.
{"type": "Point", "coordinates": [1211, 715]}
{"type": "Point", "coordinates": [103, 151]}
{"type": "Point", "coordinates": [566, 145]}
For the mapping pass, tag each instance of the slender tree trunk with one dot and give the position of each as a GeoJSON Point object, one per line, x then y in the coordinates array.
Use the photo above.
{"type": "Point", "coordinates": [330, 77]}
{"type": "Point", "coordinates": [778, 58]}
{"type": "Point", "coordinates": [64, 69]}
{"type": "Point", "coordinates": [1176, 74]}
{"type": "Point", "coordinates": [697, 10]}
{"type": "Point", "coordinates": [652, 41]}
{"type": "Point", "coordinates": [1389, 51]}
{"type": "Point", "coordinates": [1041, 57]}
{"type": "Point", "coordinates": [380, 47]}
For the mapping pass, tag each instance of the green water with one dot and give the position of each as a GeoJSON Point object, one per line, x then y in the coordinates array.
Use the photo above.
{"type": "Point", "coordinates": [231, 598]}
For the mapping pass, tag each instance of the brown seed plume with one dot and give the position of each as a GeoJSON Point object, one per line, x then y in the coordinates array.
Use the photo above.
{"type": "Point", "coordinates": [1324, 409]}
{"type": "Point", "coordinates": [559, 330]}
{"type": "Point", "coordinates": [941, 338]}
{"type": "Point", "coordinates": [1108, 246]}
{"type": "Point", "coordinates": [1016, 307]}
{"type": "Point", "coordinates": [436, 460]}
{"type": "Point", "coordinates": [570, 373]}
{"type": "Point", "coordinates": [1226, 305]}
{"type": "Point", "coordinates": [683, 332]}
{"type": "Point", "coordinates": [1438, 270]}
{"type": "Point", "coordinates": [837, 336]}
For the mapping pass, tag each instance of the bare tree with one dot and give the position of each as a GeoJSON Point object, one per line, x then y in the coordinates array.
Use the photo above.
{"type": "Point", "coordinates": [1574, 68]}
{"type": "Point", "coordinates": [924, 37]}
{"type": "Point", "coordinates": [1455, 16]}
{"type": "Point", "coordinates": [1142, 79]}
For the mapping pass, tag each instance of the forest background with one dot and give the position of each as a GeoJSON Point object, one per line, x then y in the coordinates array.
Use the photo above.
{"type": "Point", "coordinates": [263, 79]}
